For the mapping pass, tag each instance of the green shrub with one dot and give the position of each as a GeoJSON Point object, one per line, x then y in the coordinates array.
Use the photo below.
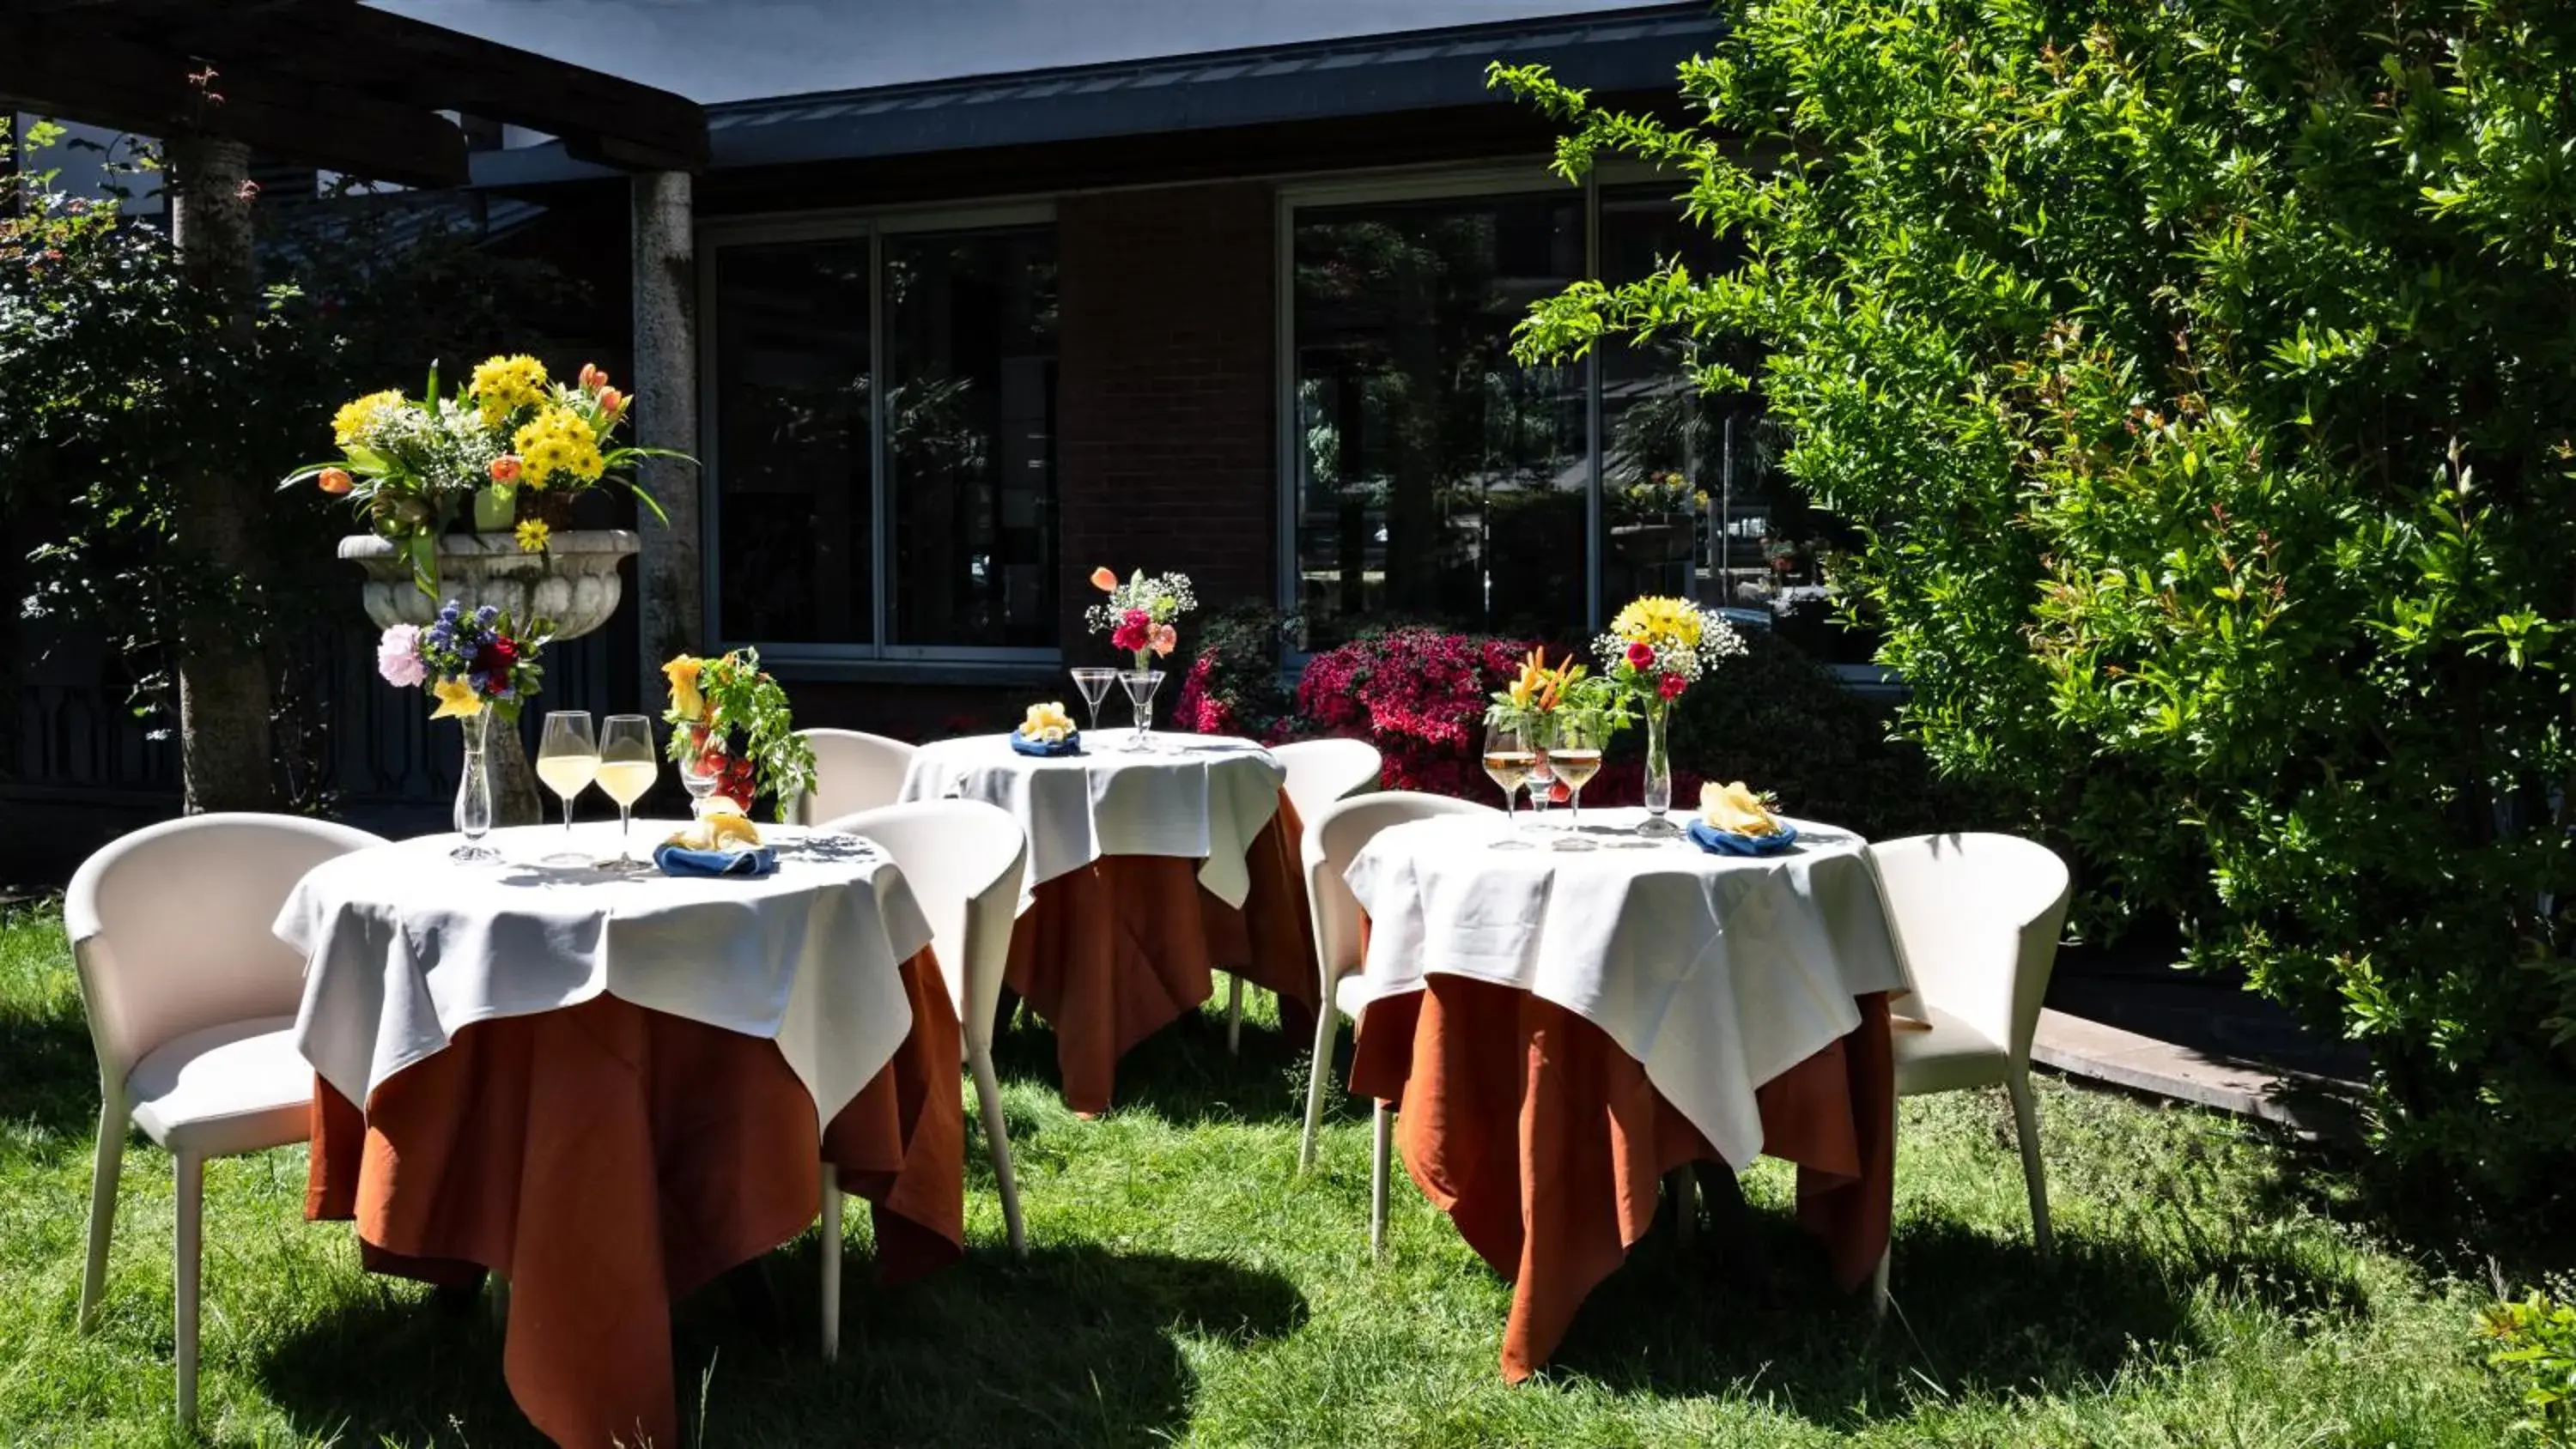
{"type": "Point", "coordinates": [2201, 381]}
{"type": "Point", "coordinates": [2535, 1351]}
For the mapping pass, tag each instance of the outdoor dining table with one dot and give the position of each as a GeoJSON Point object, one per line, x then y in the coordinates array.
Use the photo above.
{"type": "Point", "coordinates": [611, 1086]}
{"type": "Point", "coordinates": [1559, 1028]}
{"type": "Point", "coordinates": [1146, 870]}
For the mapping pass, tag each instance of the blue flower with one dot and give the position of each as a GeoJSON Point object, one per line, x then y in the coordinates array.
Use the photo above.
{"type": "Point", "coordinates": [485, 615]}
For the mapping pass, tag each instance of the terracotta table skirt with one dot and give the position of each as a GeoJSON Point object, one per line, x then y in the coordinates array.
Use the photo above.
{"type": "Point", "coordinates": [1546, 1144]}
{"type": "Point", "coordinates": [607, 1160]}
{"type": "Point", "coordinates": [1112, 953]}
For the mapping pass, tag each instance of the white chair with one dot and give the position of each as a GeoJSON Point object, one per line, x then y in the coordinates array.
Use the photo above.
{"type": "Point", "coordinates": [852, 772]}
{"type": "Point", "coordinates": [963, 860]}
{"type": "Point", "coordinates": [1976, 919]}
{"type": "Point", "coordinates": [1319, 773]}
{"type": "Point", "coordinates": [191, 1005]}
{"type": "Point", "coordinates": [1334, 838]}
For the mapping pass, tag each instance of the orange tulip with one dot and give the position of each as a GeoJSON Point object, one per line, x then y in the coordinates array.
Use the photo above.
{"type": "Point", "coordinates": [1103, 580]}
{"type": "Point", "coordinates": [592, 379]}
{"type": "Point", "coordinates": [335, 480]}
{"type": "Point", "coordinates": [505, 469]}
{"type": "Point", "coordinates": [610, 400]}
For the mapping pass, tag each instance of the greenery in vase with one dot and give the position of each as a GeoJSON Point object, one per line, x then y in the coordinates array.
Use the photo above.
{"type": "Point", "coordinates": [732, 711]}
{"type": "Point", "coordinates": [410, 465]}
{"type": "Point", "coordinates": [2196, 381]}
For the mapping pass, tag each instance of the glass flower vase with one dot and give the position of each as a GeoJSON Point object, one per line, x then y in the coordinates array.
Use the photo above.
{"type": "Point", "coordinates": [474, 789]}
{"type": "Point", "coordinates": [1659, 772]}
{"type": "Point", "coordinates": [496, 508]}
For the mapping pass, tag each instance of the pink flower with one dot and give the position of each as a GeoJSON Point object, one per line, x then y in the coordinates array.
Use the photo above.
{"type": "Point", "coordinates": [398, 657]}
{"type": "Point", "coordinates": [1162, 637]}
{"type": "Point", "coordinates": [1672, 686]}
{"type": "Point", "coordinates": [1641, 655]}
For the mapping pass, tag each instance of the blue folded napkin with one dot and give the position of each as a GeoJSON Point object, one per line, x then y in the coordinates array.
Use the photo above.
{"type": "Point", "coordinates": [680, 860]}
{"type": "Point", "coordinates": [1070, 745]}
{"type": "Point", "coordinates": [1724, 842]}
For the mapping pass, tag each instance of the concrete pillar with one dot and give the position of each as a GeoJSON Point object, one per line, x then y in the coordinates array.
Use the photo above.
{"type": "Point", "coordinates": [669, 578]}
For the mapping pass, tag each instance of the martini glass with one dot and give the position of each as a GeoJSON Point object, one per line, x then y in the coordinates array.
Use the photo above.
{"type": "Point", "coordinates": [1141, 684]}
{"type": "Point", "coordinates": [1094, 684]}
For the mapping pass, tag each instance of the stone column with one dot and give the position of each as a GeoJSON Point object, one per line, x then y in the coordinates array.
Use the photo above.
{"type": "Point", "coordinates": [223, 682]}
{"type": "Point", "coordinates": [670, 580]}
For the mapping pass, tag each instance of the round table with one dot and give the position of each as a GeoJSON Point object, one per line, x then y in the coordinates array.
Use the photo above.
{"type": "Point", "coordinates": [1563, 1026]}
{"type": "Point", "coordinates": [611, 1086]}
{"type": "Point", "coordinates": [1146, 869]}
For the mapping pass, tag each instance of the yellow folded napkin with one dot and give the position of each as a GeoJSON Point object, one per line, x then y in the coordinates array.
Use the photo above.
{"type": "Point", "coordinates": [1736, 810]}
{"type": "Point", "coordinates": [1047, 724]}
{"type": "Point", "coordinates": [720, 825]}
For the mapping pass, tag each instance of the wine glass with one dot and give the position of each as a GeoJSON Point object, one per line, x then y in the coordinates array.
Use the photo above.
{"type": "Point", "coordinates": [1094, 684]}
{"type": "Point", "coordinates": [626, 771]}
{"type": "Point", "coordinates": [1508, 759]}
{"type": "Point", "coordinates": [1575, 758]}
{"type": "Point", "coordinates": [1540, 735]}
{"type": "Point", "coordinates": [1141, 684]}
{"type": "Point", "coordinates": [567, 760]}
{"type": "Point", "coordinates": [700, 769]}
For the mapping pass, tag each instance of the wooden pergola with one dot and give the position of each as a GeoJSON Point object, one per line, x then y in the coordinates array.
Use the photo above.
{"type": "Point", "coordinates": [335, 85]}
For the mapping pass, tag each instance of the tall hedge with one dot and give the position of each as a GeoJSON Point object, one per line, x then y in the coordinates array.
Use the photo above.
{"type": "Point", "coordinates": [2202, 377]}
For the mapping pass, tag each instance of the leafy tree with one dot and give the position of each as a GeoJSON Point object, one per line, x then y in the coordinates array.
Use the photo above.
{"type": "Point", "coordinates": [2201, 379]}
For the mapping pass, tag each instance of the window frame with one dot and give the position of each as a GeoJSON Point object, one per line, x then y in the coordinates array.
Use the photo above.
{"type": "Point", "coordinates": [876, 658]}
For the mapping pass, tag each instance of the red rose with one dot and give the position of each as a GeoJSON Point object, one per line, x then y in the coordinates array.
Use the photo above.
{"type": "Point", "coordinates": [1641, 655]}
{"type": "Point", "coordinates": [498, 656]}
{"type": "Point", "coordinates": [1672, 686]}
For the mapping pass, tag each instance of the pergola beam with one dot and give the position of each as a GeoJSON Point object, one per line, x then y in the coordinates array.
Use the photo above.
{"type": "Point", "coordinates": [80, 75]}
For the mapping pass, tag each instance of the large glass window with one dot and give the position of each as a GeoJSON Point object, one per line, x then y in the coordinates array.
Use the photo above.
{"type": "Point", "coordinates": [946, 441]}
{"type": "Point", "coordinates": [795, 489]}
{"type": "Point", "coordinates": [1436, 478]}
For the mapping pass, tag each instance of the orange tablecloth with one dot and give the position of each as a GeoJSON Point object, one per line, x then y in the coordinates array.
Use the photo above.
{"type": "Point", "coordinates": [1545, 1143]}
{"type": "Point", "coordinates": [1116, 951]}
{"type": "Point", "coordinates": [607, 1160]}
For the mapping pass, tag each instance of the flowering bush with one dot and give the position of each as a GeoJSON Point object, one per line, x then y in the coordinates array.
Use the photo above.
{"type": "Point", "coordinates": [1233, 686]}
{"type": "Point", "coordinates": [410, 466]}
{"type": "Point", "coordinates": [470, 662]}
{"type": "Point", "coordinates": [1419, 695]}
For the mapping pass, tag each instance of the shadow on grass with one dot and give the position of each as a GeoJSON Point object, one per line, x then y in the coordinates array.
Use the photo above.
{"type": "Point", "coordinates": [51, 1079]}
{"type": "Point", "coordinates": [1973, 1314]}
{"type": "Point", "coordinates": [1076, 1345]}
{"type": "Point", "coordinates": [1183, 1073]}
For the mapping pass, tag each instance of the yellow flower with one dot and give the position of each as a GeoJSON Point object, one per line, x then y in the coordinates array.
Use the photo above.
{"type": "Point", "coordinates": [503, 385]}
{"type": "Point", "coordinates": [1660, 621]}
{"type": "Point", "coordinates": [456, 699]}
{"type": "Point", "coordinates": [558, 441]}
{"type": "Point", "coordinates": [533, 534]}
{"type": "Point", "coordinates": [351, 422]}
{"type": "Point", "coordinates": [686, 701]}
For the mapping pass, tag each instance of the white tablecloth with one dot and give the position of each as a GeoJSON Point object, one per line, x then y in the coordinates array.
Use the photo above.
{"type": "Point", "coordinates": [1200, 797]}
{"type": "Point", "coordinates": [404, 946]}
{"type": "Point", "coordinates": [1717, 973]}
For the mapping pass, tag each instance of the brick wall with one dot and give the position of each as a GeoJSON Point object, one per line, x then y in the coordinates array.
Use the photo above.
{"type": "Point", "coordinates": [1165, 396]}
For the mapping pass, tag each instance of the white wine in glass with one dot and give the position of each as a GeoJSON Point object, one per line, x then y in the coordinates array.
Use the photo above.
{"type": "Point", "coordinates": [626, 770]}
{"type": "Point", "coordinates": [567, 760]}
{"type": "Point", "coordinates": [1575, 760]}
{"type": "Point", "coordinates": [1508, 762]}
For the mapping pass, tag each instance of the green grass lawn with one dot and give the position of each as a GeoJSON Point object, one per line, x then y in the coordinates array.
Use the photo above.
{"type": "Point", "coordinates": [1184, 1285]}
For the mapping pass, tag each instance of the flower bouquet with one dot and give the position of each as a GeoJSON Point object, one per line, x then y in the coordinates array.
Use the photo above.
{"type": "Point", "coordinates": [478, 666]}
{"type": "Point", "coordinates": [511, 447]}
{"type": "Point", "coordinates": [730, 725]}
{"type": "Point", "coordinates": [1141, 614]}
{"type": "Point", "coordinates": [1657, 648]}
{"type": "Point", "coordinates": [1657, 495]}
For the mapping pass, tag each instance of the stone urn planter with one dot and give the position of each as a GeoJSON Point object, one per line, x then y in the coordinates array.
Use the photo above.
{"type": "Point", "coordinates": [574, 583]}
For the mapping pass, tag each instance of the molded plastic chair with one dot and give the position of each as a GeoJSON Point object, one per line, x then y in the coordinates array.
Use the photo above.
{"type": "Point", "coordinates": [1334, 837]}
{"type": "Point", "coordinates": [852, 772]}
{"type": "Point", "coordinates": [191, 1004]}
{"type": "Point", "coordinates": [1319, 773]}
{"type": "Point", "coordinates": [963, 860]}
{"type": "Point", "coordinates": [1976, 919]}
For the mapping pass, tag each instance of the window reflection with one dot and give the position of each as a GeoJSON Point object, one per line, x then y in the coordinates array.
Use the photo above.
{"type": "Point", "coordinates": [1436, 478]}
{"type": "Point", "coordinates": [970, 365]}
{"type": "Point", "coordinates": [794, 488]}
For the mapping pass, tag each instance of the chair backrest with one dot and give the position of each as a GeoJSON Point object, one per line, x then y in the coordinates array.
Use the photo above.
{"type": "Point", "coordinates": [1335, 836]}
{"type": "Point", "coordinates": [170, 927]}
{"type": "Point", "coordinates": [1323, 771]}
{"type": "Point", "coordinates": [1977, 919]}
{"type": "Point", "coordinates": [853, 771]}
{"type": "Point", "coordinates": [963, 860]}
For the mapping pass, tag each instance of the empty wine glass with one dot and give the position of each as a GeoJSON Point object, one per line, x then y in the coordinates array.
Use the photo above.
{"type": "Point", "coordinates": [1094, 684]}
{"type": "Point", "coordinates": [568, 760]}
{"type": "Point", "coordinates": [1141, 684]}
{"type": "Point", "coordinates": [1508, 759]}
{"type": "Point", "coordinates": [626, 771]}
{"type": "Point", "coordinates": [701, 766]}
